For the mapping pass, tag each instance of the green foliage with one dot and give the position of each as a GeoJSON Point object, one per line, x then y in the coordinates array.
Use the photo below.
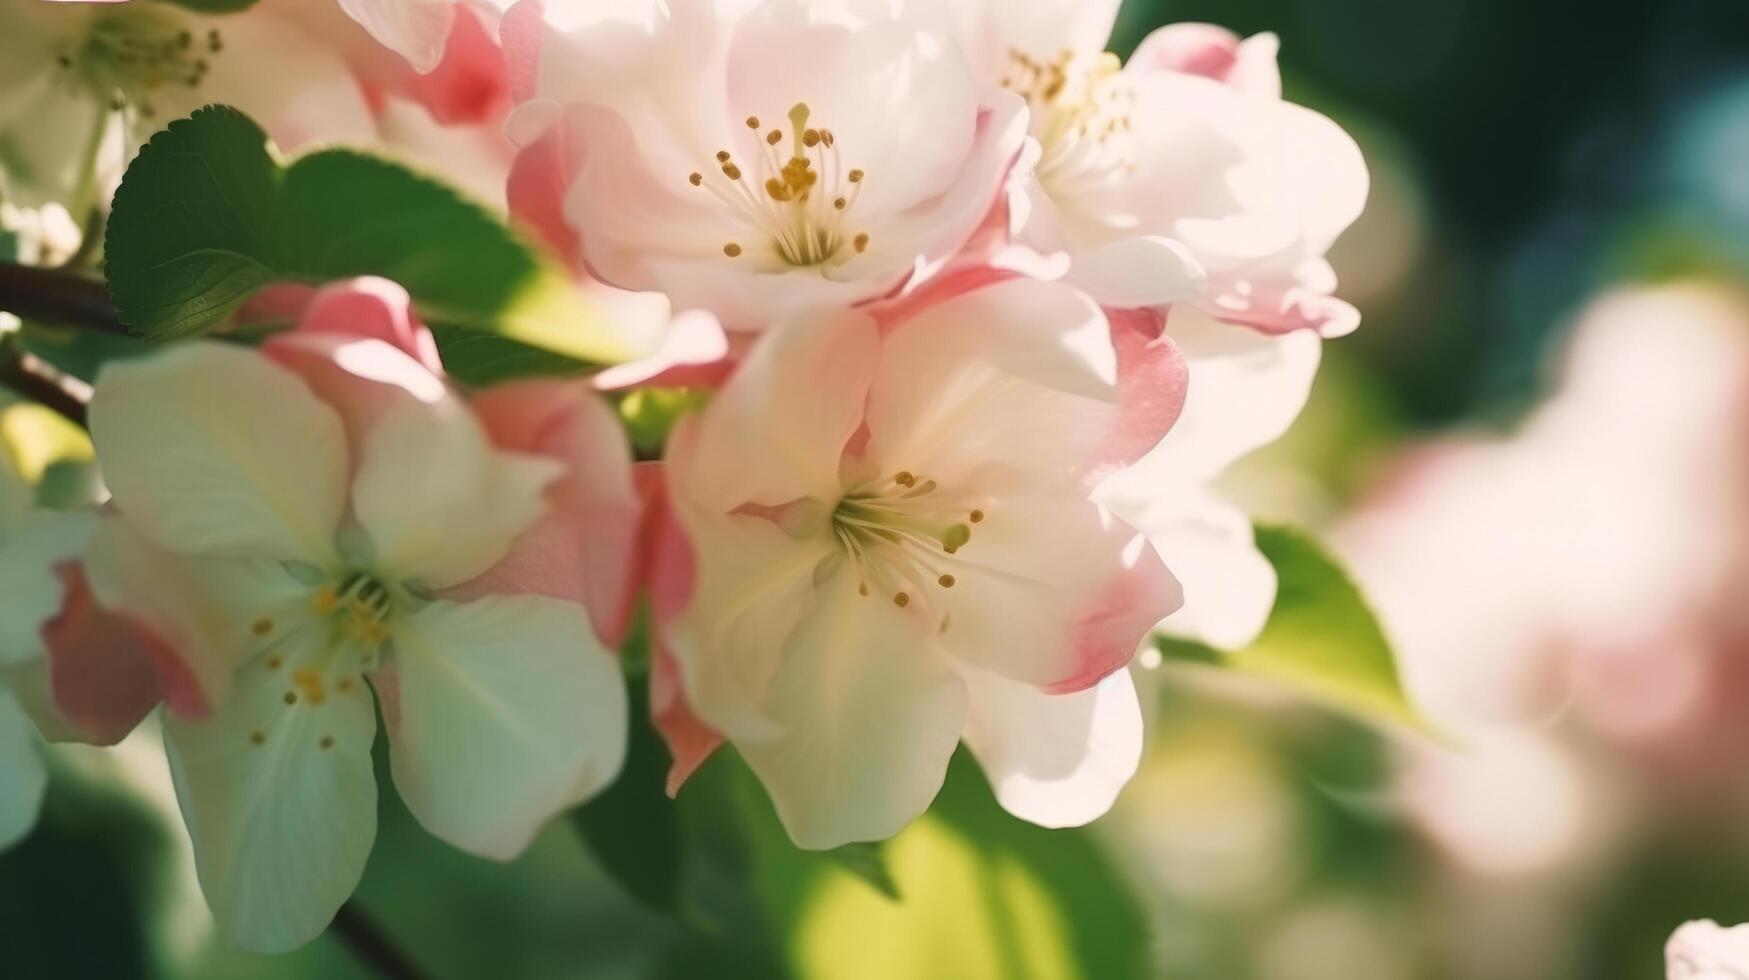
{"type": "Point", "coordinates": [207, 215]}
{"type": "Point", "coordinates": [631, 828]}
{"type": "Point", "coordinates": [1322, 639]}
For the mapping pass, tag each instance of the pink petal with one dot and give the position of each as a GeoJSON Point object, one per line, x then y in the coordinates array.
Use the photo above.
{"type": "Point", "coordinates": [371, 307]}
{"type": "Point", "coordinates": [540, 178]}
{"type": "Point", "coordinates": [468, 86]}
{"type": "Point", "coordinates": [107, 671]}
{"type": "Point", "coordinates": [584, 549]}
{"type": "Point", "coordinates": [1107, 635]}
{"type": "Point", "coordinates": [1274, 308]}
{"type": "Point", "coordinates": [519, 32]}
{"type": "Point", "coordinates": [695, 353]}
{"type": "Point", "coordinates": [667, 571]}
{"type": "Point", "coordinates": [1194, 49]}
{"type": "Point", "coordinates": [1152, 379]}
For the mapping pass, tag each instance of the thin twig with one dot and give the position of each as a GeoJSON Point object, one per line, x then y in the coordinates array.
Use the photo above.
{"type": "Point", "coordinates": [40, 381]}
{"type": "Point", "coordinates": [354, 927]}
{"type": "Point", "coordinates": [58, 297]}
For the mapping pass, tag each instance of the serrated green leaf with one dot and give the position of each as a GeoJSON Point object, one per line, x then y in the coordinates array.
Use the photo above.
{"type": "Point", "coordinates": [207, 214]}
{"type": "Point", "coordinates": [1322, 640]}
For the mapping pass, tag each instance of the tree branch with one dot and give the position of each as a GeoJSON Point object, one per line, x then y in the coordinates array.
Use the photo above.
{"type": "Point", "coordinates": [39, 381]}
{"type": "Point", "coordinates": [367, 941]}
{"type": "Point", "coordinates": [58, 298]}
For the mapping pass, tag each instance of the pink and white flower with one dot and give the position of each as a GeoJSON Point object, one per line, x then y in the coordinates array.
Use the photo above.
{"type": "Point", "coordinates": [758, 158]}
{"type": "Point", "coordinates": [1181, 176]}
{"type": "Point", "coordinates": [1705, 950]}
{"type": "Point", "coordinates": [330, 514]}
{"type": "Point", "coordinates": [69, 669]}
{"type": "Point", "coordinates": [895, 548]}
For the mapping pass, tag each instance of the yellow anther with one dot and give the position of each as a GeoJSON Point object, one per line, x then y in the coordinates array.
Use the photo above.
{"type": "Point", "coordinates": [310, 684]}
{"type": "Point", "coordinates": [773, 138]}
{"type": "Point", "coordinates": [946, 581]}
{"type": "Point", "coordinates": [723, 156]}
{"type": "Point", "coordinates": [901, 600]}
{"type": "Point", "coordinates": [291, 697]}
{"type": "Point", "coordinates": [258, 737]}
{"type": "Point", "coordinates": [862, 588]}
{"type": "Point", "coordinates": [862, 243]}
{"type": "Point", "coordinates": [856, 176]}
{"type": "Point", "coordinates": [811, 138]}
{"type": "Point", "coordinates": [696, 179]}
{"type": "Point", "coordinates": [732, 250]}
{"type": "Point", "coordinates": [273, 662]}
{"type": "Point", "coordinates": [904, 478]}
{"type": "Point", "coordinates": [731, 171]}
{"type": "Point", "coordinates": [752, 122]}
{"type": "Point", "coordinates": [977, 516]}
{"type": "Point", "coordinates": [327, 742]}
{"type": "Point", "coordinates": [325, 600]}
{"type": "Point", "coordinates": [261, 627]}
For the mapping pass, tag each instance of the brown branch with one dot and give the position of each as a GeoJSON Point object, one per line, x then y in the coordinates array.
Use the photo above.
{"type": "Point", "coordinates": [59, 298]}
{"type": "Point", "coordinates": [40, 381]}
{"type": "Point", "coordinates": [367, 941]}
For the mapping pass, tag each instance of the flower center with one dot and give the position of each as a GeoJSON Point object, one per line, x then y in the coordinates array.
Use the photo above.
{"type": "Point", "coordinates": [1080, 115]}
{"type": "Point", "coordinates": [352, 612]}
{"type": "Point", "coordinates": [132, 53]}
{"type": "Point", "coordinates": [801, 203]}
{"type": "Point", "coordinates": [903, 534]}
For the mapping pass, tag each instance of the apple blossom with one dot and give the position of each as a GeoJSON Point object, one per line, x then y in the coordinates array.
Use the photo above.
{"type": "Point", "coordinates": [82, 84]}
{"type": "Point", "coordinates": [77, 671]}
{"type": "Point", "coordinates": [755, 159]}
{"type": "Point", "coordinates": [1181, 176]}
{"type": "Point", "coordinates": [1705, 950]}
{"type": "Point", "coordinates": [894, 547]}
{"type": "Point", "coordinates": [300, 525]}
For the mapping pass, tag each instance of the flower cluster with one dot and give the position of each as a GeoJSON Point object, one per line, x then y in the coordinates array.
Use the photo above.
{"type": "Point", "coordinates": [980, 311]}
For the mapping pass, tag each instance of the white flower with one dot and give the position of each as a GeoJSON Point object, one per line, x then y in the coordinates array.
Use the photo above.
{"type": "Point", "coordinates": [290, 535]}
{"type": "Point", "coordinates": [1705, 950]}
{"type": "Point", "coordinates": [756, 159]}
{"type": "Point", "coordinates": [895, 547]}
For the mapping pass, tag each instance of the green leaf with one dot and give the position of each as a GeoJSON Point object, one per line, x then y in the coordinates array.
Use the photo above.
{"type": "Point", "coordinates": [1322, 639]}
{"type": "Point", "coordinates": [632, 828]}
{"type": "Point", "coordinates": [987, 896]}
{"type": "Point", "coordinates": [868, 863]}
{"type": "Point", "coordinates": [207, 214]}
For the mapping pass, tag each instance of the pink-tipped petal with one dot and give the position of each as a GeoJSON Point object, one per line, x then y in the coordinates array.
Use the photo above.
{"type": "Point", "coordinates": [540, 178]}
{"type": "Point", "coordinates": [519, 34]}
{"type": "Point", "coordinates": [1109, 632]}
{"type": "Point", "coordinates": [374, 308]}
{"type": "Point", "coordinates": [1152, 381]}
{"type": "Point", "coordinates": [694, 353]}
{"type": "Point", "coordinates": [1195, 49]}
{"type": "Point", "coordinates": [104, 667]}
{"type": "Point", "coordinates": [583, 549]}
{"type": "Point", "coordinates": [667, 572]}
{"type": "Point", "coordinates": [468, 85]}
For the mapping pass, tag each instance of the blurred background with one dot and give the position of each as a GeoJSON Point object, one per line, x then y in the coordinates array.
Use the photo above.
{"type": "Point", "coordinates": [1534, 456]}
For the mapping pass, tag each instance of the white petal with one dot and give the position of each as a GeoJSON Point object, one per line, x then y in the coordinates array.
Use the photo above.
{"type": "Point", "coordinates": [868, 718]}
{"type": "Point", "coordinates": [22, 776]}
{"type": "Point", "coordinates": [1135, 273]}
{"type": "Point", "coordinates": [505, 712]}
{"type": "Point", "coordinates": [212, 450]}
{"type": "Point", "coordinates": [439, 503]}
{"type": "Point", "coordinates": [1229, 587]}
{"type": "Point", "coordinates": [1058, 760]}
{"type": "Point", "coordinates": [1021, 374]}
{"type": "Point", "coordinates": [414, 29]}
{"type": "Point", "coordinates": [205, 609]}
{"type": "Point", "coordinates": [281, 829]}
{"type": "Point", "coordinates": [776, 431]}
{"type": "Point", "coordinates": [32, 590]}
{"type": "Point", "coordinates": [1246, 389]}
